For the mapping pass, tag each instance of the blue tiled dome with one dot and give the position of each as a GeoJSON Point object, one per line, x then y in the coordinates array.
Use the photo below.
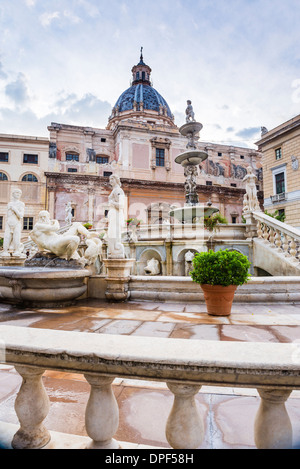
{"type": "Point", "coordinates": [144, 93]}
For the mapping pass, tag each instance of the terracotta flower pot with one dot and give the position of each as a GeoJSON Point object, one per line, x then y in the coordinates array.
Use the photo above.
{"type": "Point", "coordinates": [219, 299]}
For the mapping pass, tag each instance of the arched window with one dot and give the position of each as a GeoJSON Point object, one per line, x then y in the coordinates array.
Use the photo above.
{"type": "Point", "coordinates": [3, 176]}
{"type": "Point", "coordinates": [29, 178]}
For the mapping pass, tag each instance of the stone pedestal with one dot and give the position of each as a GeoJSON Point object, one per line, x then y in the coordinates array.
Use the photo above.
{"type": "Point", "coordinates": [12, 261]}
{"type": "Point", "coordinates": [251, 225]}
{"type": "Point", "coordinates": [118, 275]}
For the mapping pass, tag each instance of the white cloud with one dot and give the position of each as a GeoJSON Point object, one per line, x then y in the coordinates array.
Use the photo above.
{"type": "Point", "coordinates": [30, 3]}
{"type": "Point", "coordinates": [47, 18]}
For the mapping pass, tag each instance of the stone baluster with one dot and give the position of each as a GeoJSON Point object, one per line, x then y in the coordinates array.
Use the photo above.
{"type": "Point", "coordinates": [272, 237]}
{"type": "Point", "coordinates": [184, 429]}
{"type": "Point", "coordinates": [32, 407]}
{"type": "Point", "coordinates": [285, 244]}
{"type": "Point", "coordinates": [273, 429]}
{"type": "Point", "coordinates": [278, 239]}
{"type": "Point", "coordinates": [293, 250]}
{"type": "Point", "coordinates": [266, 233]}
{"type": "Point", "coordinates": [102, 413]}
{"type": "Point", "coordinates": [259, 229]}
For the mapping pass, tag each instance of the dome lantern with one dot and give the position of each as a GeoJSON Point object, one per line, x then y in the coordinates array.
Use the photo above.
{"type": "Point", "coordinates": [141, 72]}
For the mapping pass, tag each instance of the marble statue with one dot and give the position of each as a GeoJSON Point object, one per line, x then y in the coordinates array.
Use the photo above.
{"type": "Point", "coordinates": [190, 115]}
{"type": "Point", "coordinates": [12, 235]}
{"type": "Point", "coordinates": [188, 262]}
{"type": "Point", "coordinates": [93, 250]}
{"type": "Point", "coordinates": [116, 220]}
{"type": "Point", "coordinates": [191, 173]}
{"type": "Point", "coordinates": [152, 267]}
{"type": "Point", "coordinates": [263, 130]}
{"type": "Point", "coordinates": [68, 211]}
{"type": "Point", "coordinates": [250, 202]}
{"type": "Point", "coordinates": [45, 236]}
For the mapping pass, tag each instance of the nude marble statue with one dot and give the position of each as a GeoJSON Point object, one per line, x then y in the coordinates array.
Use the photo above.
{"type": "Point", "coordinates": [12, 235]}
{"type": "Point", "coordinates": [65, 245]}
{"type": "Point", "coordinates": [116, 221]}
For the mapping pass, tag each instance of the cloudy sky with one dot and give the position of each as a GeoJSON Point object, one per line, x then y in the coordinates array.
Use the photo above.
{"type": "Point", "coordinates": [68, 61]}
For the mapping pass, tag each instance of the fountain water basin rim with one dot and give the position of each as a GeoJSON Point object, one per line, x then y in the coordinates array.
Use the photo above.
{"type": "Point", "coordinates": [191, 157]}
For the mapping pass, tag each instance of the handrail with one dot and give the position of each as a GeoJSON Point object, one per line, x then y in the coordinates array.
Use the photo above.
{"type": "Point", "coordinates": [274, 369]}
{"type": "Point", "coordinates": [276, 224]}
{"type": "Point", "coordinates": [279, 235]}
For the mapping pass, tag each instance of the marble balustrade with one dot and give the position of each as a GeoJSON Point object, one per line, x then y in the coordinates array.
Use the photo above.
{"type": "Point", "coordinates": [280, 236]}
{"type": "Point", "coordinates": [185, 365]}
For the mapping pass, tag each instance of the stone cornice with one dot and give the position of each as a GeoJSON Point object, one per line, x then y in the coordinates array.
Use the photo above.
{"type": "Point", "coordinates": [287, 127]}
{"type": "Point", "coordinates": [127, 183]}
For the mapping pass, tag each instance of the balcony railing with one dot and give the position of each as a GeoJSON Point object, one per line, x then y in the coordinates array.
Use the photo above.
{"type": "Point", "coordinates": [185, 365]}
{"type": "Point", "coordinates": [278, 197]}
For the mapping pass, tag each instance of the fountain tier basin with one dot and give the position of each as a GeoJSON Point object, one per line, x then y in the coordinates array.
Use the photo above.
{"type": "Point", "coordinates": [191, 157]}
{"type": "Point", "coordinates": [193, 213]}
{"type": "Point", "coordinates": [42, 287]}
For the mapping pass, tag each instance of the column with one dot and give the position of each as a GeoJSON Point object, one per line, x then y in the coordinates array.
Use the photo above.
{"type": "Point", "coordinates": [272, 427]}
{"type": "Point", "coordinates": [185, 429]}
{"type": "Point", "coordinates": [32, 407]}
{"type": "Point", "coordinates": [102, 413]}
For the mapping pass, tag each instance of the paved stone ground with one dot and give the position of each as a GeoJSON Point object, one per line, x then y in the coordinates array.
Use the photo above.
{"type": "Point", "coordinates": [228, 413]}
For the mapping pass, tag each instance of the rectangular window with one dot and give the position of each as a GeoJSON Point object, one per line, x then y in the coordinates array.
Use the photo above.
{"type": "Point", "coordinates": [209, 183]}
{"type": "Point", "coordinates": [279, 183]}
{"type": "Point", "coordinates": [242, 157]}
{"type": "Point", "coordinates": [160, 157]}
{"type": "Point", "coordinates": [3, 157]}
{"type": "Point", "coordinates": [233, 184]}
{"type": "Point", "coordinates": [107, 174]}
{"type": "Point", "coordinates": [233, 219]}
{"type": "Point", "coordinates": [27, 223]}
{"type": "Point", "coordinates": [72, 157]}
{"type": "Point", "coordinates": [1, 223]}
{"type": "Point", "coordinates": [102, 159]}
{"type": "Point", "coordinates": [278, 154]}
{"type": "Point", "coordinates": [30, 159]}
{"type": "Point", "coordinates": [72, 170]}
{"type": "Point", "coordinates": [103, 139]}
{"type": "Point", "coordinates": [219, 153]}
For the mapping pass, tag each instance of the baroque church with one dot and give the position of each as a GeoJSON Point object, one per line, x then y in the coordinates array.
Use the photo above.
{"type": "Point", "coordinates": [140, 144]}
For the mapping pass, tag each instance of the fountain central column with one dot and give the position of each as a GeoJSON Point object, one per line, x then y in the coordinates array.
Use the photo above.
{"type": "Point", "coordinates": [190, 159]}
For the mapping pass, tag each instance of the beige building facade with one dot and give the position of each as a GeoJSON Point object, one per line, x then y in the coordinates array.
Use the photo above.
{"type": "Point", "coordinates": [280, 149]}
{"type": "Point", "coordinates": [23, 162]}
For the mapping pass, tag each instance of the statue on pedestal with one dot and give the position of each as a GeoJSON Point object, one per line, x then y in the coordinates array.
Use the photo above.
{"type": "Point", "coordinates": [190, 115]}
{"type": "Point", "coordinates": [116, 221]}
{"type": "Point", "coordinates": [12, 235]}
{"type": "Point", "coordinates": [250, 203]}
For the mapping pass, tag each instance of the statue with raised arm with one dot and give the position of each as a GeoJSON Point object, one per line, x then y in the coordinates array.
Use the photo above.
{"type": "Point", "coordinates": [250, 203]}
{"type": "Point", "coordinates": [12, 236]}
{"type": "Point", "coordinates": [116, 221]}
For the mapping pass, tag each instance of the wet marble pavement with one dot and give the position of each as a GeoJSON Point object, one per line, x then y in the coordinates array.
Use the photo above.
{"type": "Point", "coordinates": [144, 406]}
